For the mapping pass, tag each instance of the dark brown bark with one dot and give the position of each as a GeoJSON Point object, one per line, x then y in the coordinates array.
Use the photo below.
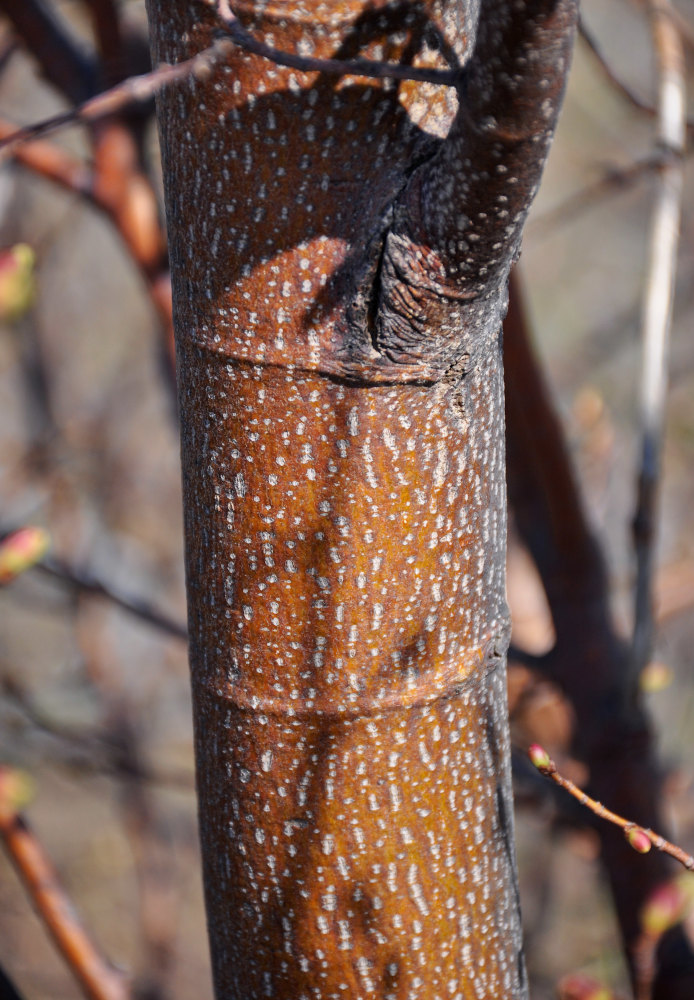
{"type": "Point", "coordinates": [339, 277]}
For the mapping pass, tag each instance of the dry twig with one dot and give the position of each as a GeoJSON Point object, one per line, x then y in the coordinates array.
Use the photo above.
{"type": "Point", "coordinates": [86, 581]}
{"type": "Point", "coordinates": [639, 837]}
{"type": "Point", "coordinates": [134, 90]}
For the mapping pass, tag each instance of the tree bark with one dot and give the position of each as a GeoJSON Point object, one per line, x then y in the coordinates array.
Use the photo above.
{"type": "Point", "coordinates": [340, 251]}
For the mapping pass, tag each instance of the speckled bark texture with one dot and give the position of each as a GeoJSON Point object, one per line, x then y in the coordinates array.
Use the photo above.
{"type": "Point", "coordinates": [340, 249]}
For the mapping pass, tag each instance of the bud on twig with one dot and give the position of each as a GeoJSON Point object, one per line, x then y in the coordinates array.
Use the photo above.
{"type": "Point", "coordinates": [16, 281]}
{"type": "Point", "coordinates": [540, 758]}
{"type": "Point", "coordinates": [638, 839]}
{"type": "Point", "coordinates": [21, 550]}
{"type": "Point", "coordinates": [16, 790]}
{"type": "Point", "coordinates": [641, 840]}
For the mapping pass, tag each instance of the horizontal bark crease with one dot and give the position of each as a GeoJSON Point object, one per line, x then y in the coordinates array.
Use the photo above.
{"type": "Point", "coordinates": [345, 503]}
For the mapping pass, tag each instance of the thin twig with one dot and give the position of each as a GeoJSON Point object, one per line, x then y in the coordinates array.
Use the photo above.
{"type": "Point", "coordinates": [683, 26]}
{"type": "Point", "coordinates": [141, 88]}
{"type": "Point", "coordinates": [339, 67]}
{"type": "Point", "coordinates": [51, 162]}
{"type": "Point", "coordinates": [85, 580]}
{"type": "Point", "coordinates": [657, 319]}
{"type": "Point", "coordinates": [61, 58]}
{"type": "Point", "coordinates": [134, 90]}
{"type": "Point", "coordinates": [540, 662]}
{"type": "Point", "coordinates": [611, 181]}
{"type": "Point", "coordinates": [90, 750]}
{"type": "Point", "coordinates": [635, 833]}
{"type": "Point", "coordinates": [624, 89]}
{"type": "Point", "coordinates": [98, 979]}
{"type": "Point", "coordinates": [616, 81]}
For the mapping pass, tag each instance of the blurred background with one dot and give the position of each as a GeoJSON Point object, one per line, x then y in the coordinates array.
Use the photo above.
{"type": "Point", "coordinates": [94, 700]}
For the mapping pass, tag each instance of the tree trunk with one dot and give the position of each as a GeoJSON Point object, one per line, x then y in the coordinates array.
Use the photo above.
{"type": "Point", "coordinates": [340, 250]}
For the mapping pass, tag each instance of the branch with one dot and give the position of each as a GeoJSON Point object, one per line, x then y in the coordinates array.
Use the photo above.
{"type": "Point", "coordinates": [509, 104]}
{"type": "Point", "coordinates": [337, 67]}
{"type": "Point", "coordinates": [138, 89]}
{"type": "Point", "coordinates": [631, 96]}
{"type": "Point", "coordinates": [457, 225]}
{"type": "Point", "coordinates": [135, 90]}
{"type": "Point", "coordinates": [638, 837]}
{"type": "Point", "coordinates": [545, 497]}
{"type": "Point", "coordinates": [117, 187]}
{"type": "Point", "coordinates": [589, 660]}
{"type": "Point", "coordinates": [8, 990]}
{"type": "Point", "coordinates": [84, 580]}
{"type": "Point", "coordinates": [612, 180]}
{"type": "Point", "coordinates": [51, 162]}
{"type": "Point", "coordinates": [98, 979]}
{"type": "Point", "coordinates": [60, 58]}
{"type": "Point", "coordinates": [91, 751]}
{"type": "Point", "coordinates": [657, 320]}
{"type": "Point", "coordinates": [109, 38]}
{"type": "Point", "coordinates": [540, 662]}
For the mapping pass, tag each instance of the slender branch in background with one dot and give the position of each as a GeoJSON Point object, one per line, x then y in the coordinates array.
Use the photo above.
{"type": "Point", "coordinates": [544, 493]}
{"type": "Point", "coordinates": [90, 750]}
{"type": "Point", "coordinates": [84, 580]}
{"type": "Point", "coordinates": [51, 162]}
{"type": "Point", "coordinates": [613, 180]}
{"type": "Point", "coordinates": [158, 888]}
{"type": "Point", "coordinates": [657, 319]}
{"type": "Point", "coordinates": [616, 81]}
{"type": "Point", "coordinates": [116, 187]}
{"type": "Point", "coordinates": [134, 90]}
{"type": "Point", "coordinates": [624, 89]}
{"type": "Point", "coordinates": [142, 88]}
{"type": "Point", "coordinates": [98, 979]}
{"type": "Point", "coordinates": [109, 39]}
{"type": "Point", "coordinates": [534, 661]}
{"type": "Point", "coordinates": [637, 836]}
{"type": "Point", "coordinates": [338, 67]}
{"type": "Point", "coordinates": [61, 59]}
{"type": "Point", "coordinates": [8, 990]}
{"type": "Point", "coordinates": [683, 26]}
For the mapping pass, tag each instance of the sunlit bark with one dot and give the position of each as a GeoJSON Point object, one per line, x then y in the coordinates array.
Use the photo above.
{"type": "Point", "coordinates": [340, 251]}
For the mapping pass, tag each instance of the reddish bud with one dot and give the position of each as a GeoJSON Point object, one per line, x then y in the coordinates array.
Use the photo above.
{"type": "Point", "coordinates": [16, 281]}
{"type": "Point", "coordinates": [664, 908]}
{"type": "Point", "coordinates": [21, 550]}
{"type": "Point", "coordinates": [539, 756]}
{"type": "Point", "coordinates": [638, 839]}
{"type": "Point", "coordinates": [580, 987]}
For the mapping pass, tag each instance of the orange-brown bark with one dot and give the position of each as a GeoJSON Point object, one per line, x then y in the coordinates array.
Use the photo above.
{"type": "Point", "coordinates": [339, 272]}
